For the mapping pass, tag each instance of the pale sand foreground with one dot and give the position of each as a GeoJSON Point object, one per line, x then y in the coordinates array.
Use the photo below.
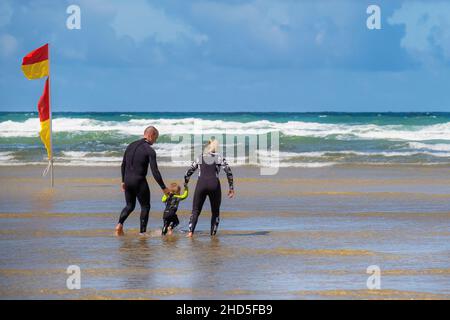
{"type": "Point", "coordinates": [304, 233]}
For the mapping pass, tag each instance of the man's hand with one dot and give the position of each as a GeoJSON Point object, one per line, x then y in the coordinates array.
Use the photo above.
{"type": "Point", "coordinates": [122, 186]}
{"type": "Point", "coordinates": [230, 194]}
{"type": "Point", "coordinates": [165, 191]}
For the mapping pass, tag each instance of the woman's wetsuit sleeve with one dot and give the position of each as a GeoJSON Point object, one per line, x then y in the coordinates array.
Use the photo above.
{"type": "Point", "coordinates": [228, 172]}
{"type": "Point", "coordinates": [154, 168]}
{"type": "Point", "coordinates": [190, 171]}
{"type": "Point", "coordinates": [124, 165]}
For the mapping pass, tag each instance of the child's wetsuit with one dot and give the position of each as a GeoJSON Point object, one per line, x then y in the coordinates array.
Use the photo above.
{"type": "Point", "coordinates": [170, 217]}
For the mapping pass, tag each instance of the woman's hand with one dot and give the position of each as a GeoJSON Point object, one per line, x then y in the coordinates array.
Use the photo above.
{"type": "Point", "coordinates": [230, 194]}
{"type": "Point", "coordinates": [122, 186]}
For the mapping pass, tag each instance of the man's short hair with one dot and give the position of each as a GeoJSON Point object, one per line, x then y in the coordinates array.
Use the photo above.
{"type": "Point", "coordinates": [150, 129]}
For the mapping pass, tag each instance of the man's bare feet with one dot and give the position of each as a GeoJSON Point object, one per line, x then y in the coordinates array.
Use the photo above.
{"type": "Point", "coordinates": [169, 231]}
{"type": "Point", "coordinates": [190, 235]}
{"type": "Point", "coordinates": [119, 230]}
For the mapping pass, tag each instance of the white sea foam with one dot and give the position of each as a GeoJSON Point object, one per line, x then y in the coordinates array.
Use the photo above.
{"type": "Point", "coordinates": [6, 156]}
{"type": "Point", "coordinates": [162, 164]}
{"type": "Point", "coordinates": [317, 154]}
{"type": "Point", "coordinates": [30, 128]}
{"type": "Point", "coordinates": [304, 165]}
{"type": "Point", "coordinates": [282, 156]}
{"type": "Point", "coordinates": [87, 157]}
{"type": "Point", "coordinates": [170, 158]}
{"type": "Point", "coordinates": [433, 147]}
{"type": "Point", "coordinates": [418, 140]}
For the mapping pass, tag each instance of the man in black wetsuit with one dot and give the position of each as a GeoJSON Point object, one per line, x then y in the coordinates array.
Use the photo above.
{"type": "Point", "coordinates": [138, 156]}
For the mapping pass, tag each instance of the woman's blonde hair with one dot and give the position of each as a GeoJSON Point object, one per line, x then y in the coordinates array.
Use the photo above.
{"type": "Point", "coordinates": [212, 146]}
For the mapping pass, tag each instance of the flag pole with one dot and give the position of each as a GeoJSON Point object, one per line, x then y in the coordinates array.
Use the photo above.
{"type": "Point", "coordinates": [52, 181]}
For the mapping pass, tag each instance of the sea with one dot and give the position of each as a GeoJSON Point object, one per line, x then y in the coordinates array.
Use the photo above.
{"type": "Point", "coordinates": [304, 139]}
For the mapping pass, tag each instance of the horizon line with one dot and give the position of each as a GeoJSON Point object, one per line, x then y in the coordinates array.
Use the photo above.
{"type": "Point", "coordinates": [225, 112]}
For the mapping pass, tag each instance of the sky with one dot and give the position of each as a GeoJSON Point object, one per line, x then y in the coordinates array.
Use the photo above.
{"type": "Point", "coordinates": [229, 56]}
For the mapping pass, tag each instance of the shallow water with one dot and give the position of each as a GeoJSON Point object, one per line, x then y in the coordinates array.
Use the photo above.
{"type": "Point", "coordinates": [302, 234]}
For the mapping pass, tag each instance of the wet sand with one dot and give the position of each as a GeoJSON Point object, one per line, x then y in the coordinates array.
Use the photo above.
{"type": "Point", "coordinates": [301, 234]}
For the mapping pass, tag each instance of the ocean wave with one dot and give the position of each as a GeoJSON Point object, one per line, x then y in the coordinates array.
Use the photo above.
{"type": "Point", "coordinates": [100, 141]}
{"type": "Point", "coordinates": [162, 164]}
{"type": "Point", "coordinates": [6, 156]}
{"type": "Point", "coordinates": [281, 159]}
{"type": "Point", "coordinates": [90, 157]}
{"type": "Point", "coordinates": [432, 147]}
{"type": "Point", "coordinates": [367, 154]}
{"type": "Point", "coordinates": [303, 165]}
{"type": "Point", "coordinates": [175, 155]}
{"type": "Point", "coordinates": [342, 153]}
{"type": "Point", "coordinates": [187, 126]}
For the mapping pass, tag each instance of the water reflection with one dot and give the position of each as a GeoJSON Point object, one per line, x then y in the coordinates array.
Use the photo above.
{"type": "Point", "coordinates": [206, 260]}
{"type": "Point", "coordinates": [43, 200]}
{"type": "Point", "coordinates": [135, 257]}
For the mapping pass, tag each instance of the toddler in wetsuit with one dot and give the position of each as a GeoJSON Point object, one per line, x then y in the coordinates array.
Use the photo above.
{"type": "Point", "coordinates": [172, 200]}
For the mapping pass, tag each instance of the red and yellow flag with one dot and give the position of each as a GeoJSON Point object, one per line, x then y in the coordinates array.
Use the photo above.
{"type": "Point", "coordinates": [44, 117]}
{"type": "Point", "coordinates": [35, 64]}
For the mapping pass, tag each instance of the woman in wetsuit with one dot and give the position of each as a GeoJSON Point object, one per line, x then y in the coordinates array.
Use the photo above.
{"type": "Point", "coordinates": [208, 185]}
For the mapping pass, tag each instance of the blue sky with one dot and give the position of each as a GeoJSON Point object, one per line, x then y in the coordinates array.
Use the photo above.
{"type": "Point", "coordinates": [236, 55]}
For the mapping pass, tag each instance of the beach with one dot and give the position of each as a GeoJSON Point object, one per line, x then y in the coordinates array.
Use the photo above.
{"type": "Point", "coordinates": [327, 124]}
{"type": "Point", "coordinates": [304, 233]}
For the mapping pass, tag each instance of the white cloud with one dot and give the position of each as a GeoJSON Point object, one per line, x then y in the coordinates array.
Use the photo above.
{"type": "Point", "coordinates": [74, 53]}
{"type": "Point", "coordinates": [6, 12]}
{"type": "Point", "coordinates": [8, 45]}
{"type": "Point", "coordinates": [269, 33]}
{"type": "Point", "coordinates": [139, 20]}
{"type": "Point", "coordinates": [262, 20]}
{"type": "Point", "coordinates": [427, 29]}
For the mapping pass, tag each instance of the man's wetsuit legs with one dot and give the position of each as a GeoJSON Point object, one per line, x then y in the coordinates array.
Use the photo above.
{"type": "Point", "coordinates": [136, 188]}
{"type": "Point", "coordinates": [143, 197]}
{"type": "Point", "coordinates": [130, 198]}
